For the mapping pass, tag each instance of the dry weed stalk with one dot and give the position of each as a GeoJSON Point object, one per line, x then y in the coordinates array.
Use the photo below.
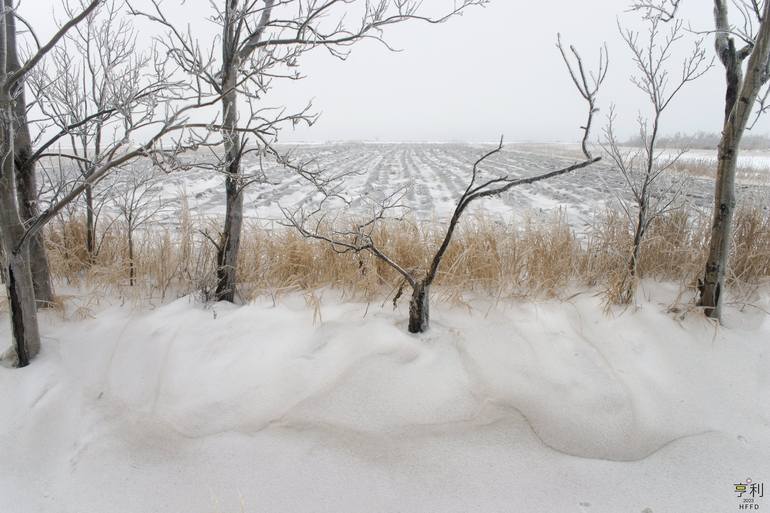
{"type": "Point", "coordinates": [541, 258]}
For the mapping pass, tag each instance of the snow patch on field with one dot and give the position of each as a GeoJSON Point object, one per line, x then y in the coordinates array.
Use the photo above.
{"type": "Point", "coordinates": [435, 176]}
{"type": "Point", "coordinates": [759, 159]}
{"type": "Point", "coordinates": [506, 408]}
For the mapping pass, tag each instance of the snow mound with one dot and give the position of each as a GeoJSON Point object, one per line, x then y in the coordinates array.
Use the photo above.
{"type": "Point", "coordinates": [184, 386]}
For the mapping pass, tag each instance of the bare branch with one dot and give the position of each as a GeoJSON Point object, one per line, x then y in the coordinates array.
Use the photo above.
{"type": "Point", "coordinates": [587, 89]}
{"type": "Point", "coordinates": [14, 77]}
{"type": "Point", "coordinates": [665, 10]}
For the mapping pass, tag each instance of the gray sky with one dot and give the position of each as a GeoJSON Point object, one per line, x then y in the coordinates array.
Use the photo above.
{"type": "Point", "coordinates": [493, 71]}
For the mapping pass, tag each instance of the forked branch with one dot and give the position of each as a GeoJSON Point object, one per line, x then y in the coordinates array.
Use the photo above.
{"type": "Point", "coordinates": [588, 85]}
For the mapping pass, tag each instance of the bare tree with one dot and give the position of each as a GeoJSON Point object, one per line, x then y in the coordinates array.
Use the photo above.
{"type": "Point", "coordinates": [16, 259]}
{"type": "Point", "coordinates": [26, 178]}
{"type": "Point", "coordinates": [78, 90]}
{"type": "Point", "coordinates": [644, 171]}
{"type": "Point", "coordinates": [136, 202]}
{"type": "Point", "coordinates": [56, 178]}
{"type": "Point", "coordinates": [117, 156]}
{"type": "Point", "coordinates": [262, 40]}
{"type": "Point", "coordinates": [360, 237]}
{"type": "Point", "coordinates": [744, 51]}
{"type": "Point", "coordinates": [734, 46]}
{"type": "Point", "coordinates": [108, 70]}
{"type": "Point", "coordinates": [164, 115]}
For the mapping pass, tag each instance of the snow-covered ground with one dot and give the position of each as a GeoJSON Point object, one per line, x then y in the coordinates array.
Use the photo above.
{"type": "Point", "coordinates": [759, 159]}
{"type": "Point", "coordinates": [436, 175]}
{"type": "Point", "coordinates": [514, 407]}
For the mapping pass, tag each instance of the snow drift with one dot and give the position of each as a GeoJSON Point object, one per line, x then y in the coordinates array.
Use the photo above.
{"type": "Point", "coordinates": [514, 407]}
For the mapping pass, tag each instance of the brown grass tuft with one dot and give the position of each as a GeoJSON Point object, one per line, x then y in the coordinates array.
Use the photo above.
{"type": "Point", "coordinates": [544, 258]}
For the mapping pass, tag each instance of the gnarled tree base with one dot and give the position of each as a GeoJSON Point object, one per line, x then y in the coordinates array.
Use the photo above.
{"type": "Point", "coordinates": [710, 290]}
{"type": "Point", "coordinates": [419, 311]}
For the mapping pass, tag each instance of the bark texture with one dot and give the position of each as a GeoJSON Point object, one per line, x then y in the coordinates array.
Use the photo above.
{"type": "Point", "coordinates": [15, 255]}
{"type": "Point", "coordinates": [26, 188]}
{"type": "Point", "coordinates": [21, 299]}
{"type": "Point", "coordinates": [740, 98]}
{"type": "Point", "coordinates": [419, 308]}
{"type": "Point", "coordinates": [131, 266]}
{"type": "Point", "coordinates": [25, 173]}
{"type": "Point", "coordinates": [16, 270]}
{"type": "Point", "coordinates": [90, 224]}
{"type": "Point", "coordinates": [235, 53]}
{"type": "Point", "coordinates": [230, 241]}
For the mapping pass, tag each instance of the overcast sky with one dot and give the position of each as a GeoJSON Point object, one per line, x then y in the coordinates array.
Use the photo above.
{"type": "Point", "coordinates": [493, 71]}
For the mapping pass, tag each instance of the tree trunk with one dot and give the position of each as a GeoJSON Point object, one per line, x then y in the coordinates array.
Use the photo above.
{"type": "Point", "coordinates": [21, 299]}
{"type": "Point", "coordinates": [724, 196]}
{"type": "Point", "coordinates": [90, 213]}
{"type": "Point", "coordinates": [26, 180]}
{"type": "Point", "coordinates": [26, 189]}
{"type": "Point", "coordinates": [419, 311]}
{"type": "Point", "coordinates": [16, 269]}
{"type": "Point", "coordinates": [90, 225]}
{"type": "Point", "coordinates": [633, 263]}
{"type": "Point", "coordinates": [721, 228]}
{"type": "Point", "coordinates": [131, 268]}
{"type": "Point", "coordinates": [227, 255]}
{"type": "Point", "coordinates": [740, 98]}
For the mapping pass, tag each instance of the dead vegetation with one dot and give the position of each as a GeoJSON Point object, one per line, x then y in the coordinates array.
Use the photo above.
{"type": "Point", "coordinates": [707, 168]}
{"type": "Point", "coordinates": [531, 258]}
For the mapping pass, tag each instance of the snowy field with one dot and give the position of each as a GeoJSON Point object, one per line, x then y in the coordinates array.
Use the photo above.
{"type": "Point", "coordinates": [435, 174]}
{"type": "Point", "coordinates": [748, 158]}
{"type": "Point", "coordinates": [545, 406]}
{"type": "Point", "coordinates": [289, 407]}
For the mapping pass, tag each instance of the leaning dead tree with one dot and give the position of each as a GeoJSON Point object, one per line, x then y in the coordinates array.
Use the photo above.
{"type": "Point", "coordinates": [737, 47]}
{"type": "Point", "coordinates": [261, 41]}
{"type": "Point", "coordinates": [360, 236]}
{"type": "Point", "coordinates": [654, 191]}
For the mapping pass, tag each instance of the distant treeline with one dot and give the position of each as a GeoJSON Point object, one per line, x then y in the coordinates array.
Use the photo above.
{"type": "Point", "coordinates": [706, 141]}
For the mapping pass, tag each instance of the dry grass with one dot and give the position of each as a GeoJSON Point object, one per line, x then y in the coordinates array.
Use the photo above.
{"type": "Point", "coordinates": [543, 258]}
{"type": "Point", "coordinates": [707, 168]}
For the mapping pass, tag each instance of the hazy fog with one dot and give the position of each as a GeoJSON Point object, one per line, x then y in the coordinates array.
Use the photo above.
{"type": "Point", "coordinates": [492, 71]}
